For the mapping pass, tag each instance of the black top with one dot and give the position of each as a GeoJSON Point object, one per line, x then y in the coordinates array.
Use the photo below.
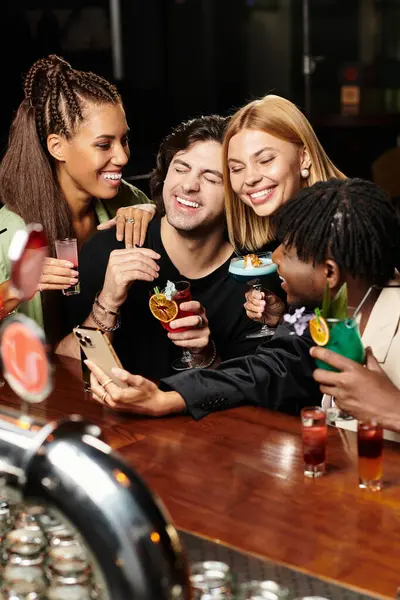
{"type": "Point", "coordinates": [277, 376]}
{"type": "Point", "coordinates": [141, 343]}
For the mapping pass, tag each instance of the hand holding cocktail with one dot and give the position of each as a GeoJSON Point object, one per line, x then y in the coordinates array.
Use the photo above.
{"type": "Point", "coordinates": [185, 320]}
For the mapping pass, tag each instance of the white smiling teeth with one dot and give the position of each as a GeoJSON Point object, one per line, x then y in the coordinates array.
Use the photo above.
{"type": "Point", "coordinates": [187, 202]}
{"type": "Point", "coordinates": [261, 194]}
{"type": "Point", "coordinates": [114, 176]}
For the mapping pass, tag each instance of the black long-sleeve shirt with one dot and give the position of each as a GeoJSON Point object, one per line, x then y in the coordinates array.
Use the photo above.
{"type": "Point", "coordinates": [278, 376]}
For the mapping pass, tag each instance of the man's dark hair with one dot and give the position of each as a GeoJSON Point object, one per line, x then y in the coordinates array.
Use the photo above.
{"type": "Point", "coordinates": [351, 221]}
{"type": "Point", "coordinates": [203, 129]}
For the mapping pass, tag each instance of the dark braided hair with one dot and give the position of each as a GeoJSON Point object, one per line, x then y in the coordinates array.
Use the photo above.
{"type": "Point", "coordinates": [202, 129]}
{"type": "Point", "coordinates": [351, 221]}
{"type": "Point", "coordinates": [56, 96]}
{"type": "Point", "coordinates": [57, 92]}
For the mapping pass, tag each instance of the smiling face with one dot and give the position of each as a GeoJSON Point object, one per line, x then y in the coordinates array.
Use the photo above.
{"type": "Point", "coordinates": [193, 191]}
{"type": "Point", "coordinates": [90, 162]}
{"type": "Point", "coordinates": [265, 170]}
{"type": "Point", "coordinates": [303, 282]}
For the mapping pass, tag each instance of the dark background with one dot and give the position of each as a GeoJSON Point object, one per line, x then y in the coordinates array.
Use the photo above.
{"type": "Point", "coordinates": [184, 58]}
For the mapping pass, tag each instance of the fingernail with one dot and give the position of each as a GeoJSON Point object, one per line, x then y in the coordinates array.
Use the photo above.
{"type": "Point", "coordinates": [69, 264]}
{"type": "Point", "coordinates": [74, 273]}
{"type": "Point", "coordinates": [262, 304]}
{"type": "Point", "coordinates": [118, 372]}
{"type": "Point", "coordinates": [119, 238]}
{"type": "Point", "coordinates": [74, 280]}
{"type": "Point", "coordinates": [172, 325]}
{"type": "Point", "coordinates": [312, 351]}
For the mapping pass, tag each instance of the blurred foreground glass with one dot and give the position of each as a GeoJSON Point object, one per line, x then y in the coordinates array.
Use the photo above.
{"type": "Point", "coordinates": [263, 590]}
{"type": "Point", "coordinates": [370, 451]}
{"type": "Point", "coordinates": [67, 249]}
{"type": "Point", "coordinates": [211, 579]}
{"type": "Point", "coordinates": [313, 435]}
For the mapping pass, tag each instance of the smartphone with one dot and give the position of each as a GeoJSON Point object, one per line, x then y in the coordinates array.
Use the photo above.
{"type": "Point", "coordinates": [97, 347]}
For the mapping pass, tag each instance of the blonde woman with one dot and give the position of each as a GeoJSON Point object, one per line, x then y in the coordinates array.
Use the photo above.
{"type": "Point", "coordinates": [270, 152]}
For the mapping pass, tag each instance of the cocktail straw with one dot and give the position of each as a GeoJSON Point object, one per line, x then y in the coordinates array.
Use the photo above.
{"type": "Point", "coordinates": [359, 307]}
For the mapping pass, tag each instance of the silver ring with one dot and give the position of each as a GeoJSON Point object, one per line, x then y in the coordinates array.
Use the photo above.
{"type": "Point", "coordinates": [105, 384]}
{"type": "Point", "coordinates": [103, 398]}
{"type": "Point", "coordinates": [130, 220]}
{"type": "Point", "coordinates": [201, 322]}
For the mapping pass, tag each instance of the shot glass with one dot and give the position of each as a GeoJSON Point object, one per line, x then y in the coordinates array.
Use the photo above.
{"type": "Point", "coordinates": [313, 435]}
{"type": "Point", "coordinates": [370, 451]}
{"type": "Point", "coordinates": [67, 249]}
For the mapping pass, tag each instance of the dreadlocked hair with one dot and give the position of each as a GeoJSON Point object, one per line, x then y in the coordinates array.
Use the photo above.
{"type": "Point", "coordinates": [351, 221]}
{"type": "Point", "coordinates": [54, 103]}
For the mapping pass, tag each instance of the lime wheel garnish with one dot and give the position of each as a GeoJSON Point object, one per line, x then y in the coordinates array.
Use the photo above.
{"type": "Point", "coordinates": [319, 331]}
{"type": "Point", "coordinates": [163, 309]}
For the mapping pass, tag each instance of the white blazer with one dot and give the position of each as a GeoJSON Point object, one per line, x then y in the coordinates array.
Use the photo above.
{"type": "Point", "coordinates": [382, 334]}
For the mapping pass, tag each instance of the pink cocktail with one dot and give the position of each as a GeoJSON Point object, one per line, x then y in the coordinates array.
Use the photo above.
{"type": "Point", "coordinates": [67, 249]}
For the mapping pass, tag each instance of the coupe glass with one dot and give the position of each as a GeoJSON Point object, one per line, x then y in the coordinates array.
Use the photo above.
{"type": "Point", "coordinates": [251, 275]}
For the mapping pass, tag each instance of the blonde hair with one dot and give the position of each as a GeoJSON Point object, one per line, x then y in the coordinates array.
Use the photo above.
{"type": "Point", "coordinates": [282, 119]}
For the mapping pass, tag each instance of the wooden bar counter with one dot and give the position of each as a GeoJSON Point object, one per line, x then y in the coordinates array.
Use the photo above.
{"type": "Point", "coordinates": [237, 477]}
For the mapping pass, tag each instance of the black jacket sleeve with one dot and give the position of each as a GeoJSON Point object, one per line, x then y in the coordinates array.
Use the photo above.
{"type": "Point", "coordinates": [278, 376]}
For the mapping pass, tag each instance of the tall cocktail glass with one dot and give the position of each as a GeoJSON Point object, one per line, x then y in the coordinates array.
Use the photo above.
{"type": "Point", "coordinates": [67, 249]}
{"type": "Point", "coordinates": [370, 450]}
{"type": "Point", "coordinates": [313, 435]}
{"type": "Point", "coordinates": [344, 339]}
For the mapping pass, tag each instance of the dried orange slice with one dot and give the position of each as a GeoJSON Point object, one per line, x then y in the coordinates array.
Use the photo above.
{"type": "Point", "coordinates": [319, 331]}
{"type": "Point", "coordinates": [163, 309]}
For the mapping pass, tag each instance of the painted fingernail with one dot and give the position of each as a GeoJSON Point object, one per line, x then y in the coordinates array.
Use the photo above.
{"type": "Point", "coordinates": [74, 273]}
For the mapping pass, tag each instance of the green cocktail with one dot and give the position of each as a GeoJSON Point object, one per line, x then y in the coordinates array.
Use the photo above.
{"type": "Point", "coordinates": [344, 338]}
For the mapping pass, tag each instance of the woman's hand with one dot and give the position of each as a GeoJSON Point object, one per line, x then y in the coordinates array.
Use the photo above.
{"type": "Point", "coordinates": [141, 397]}
{"type": "Point", "coordinates": [197, 336]}
{"type": "Point", "coordinates": [264, 307]}
{"type": "Point", "coordinates": [131, 224]}
{"type": "Point", "coordinates": [57, 275]}
{"type": "Point", "coordinates": [363, 392]}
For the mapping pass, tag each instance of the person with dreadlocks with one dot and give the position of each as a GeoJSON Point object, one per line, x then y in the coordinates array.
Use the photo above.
{"type": "Point", "coordinates": [67, 147]}
{"type": "Point", "coordinates": [332, 232]}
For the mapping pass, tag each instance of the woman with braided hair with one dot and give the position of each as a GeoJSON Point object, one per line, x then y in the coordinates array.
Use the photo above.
{"type": "Point", "coordinates": [63, 166]}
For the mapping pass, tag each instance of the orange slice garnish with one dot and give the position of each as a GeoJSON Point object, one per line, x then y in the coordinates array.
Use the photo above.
{"type": "Point", "coordinates": [319, 331]}
{"type": "Point", "coordinates": [163, 309]}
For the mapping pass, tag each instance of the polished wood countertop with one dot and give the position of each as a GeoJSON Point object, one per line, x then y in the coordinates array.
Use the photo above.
{"type": "Point", "coordinates": [237, 477]}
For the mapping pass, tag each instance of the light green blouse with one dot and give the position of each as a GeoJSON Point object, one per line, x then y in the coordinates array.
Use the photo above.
{"type": "Point", "coordinates": [128, 195]}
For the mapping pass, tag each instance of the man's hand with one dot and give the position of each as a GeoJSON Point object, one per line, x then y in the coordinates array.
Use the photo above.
{"type": "Point", "coordinates": [141, 397]}
{"type": "Point", "coordinates": [264, 307]}
{"type": "Point", "coordinates": [197, 336]}
{"type": "Point", "coordinates": [364, 392]}
{"type": "Point", "coordinates": [125, 267]}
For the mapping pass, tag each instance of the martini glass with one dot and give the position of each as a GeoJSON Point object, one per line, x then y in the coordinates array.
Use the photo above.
{"type": "Point", "coordinates": [239, 270]}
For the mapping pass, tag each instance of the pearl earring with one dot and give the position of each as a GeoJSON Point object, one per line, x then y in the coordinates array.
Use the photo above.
{"type": "Point", "coordinates": [305, 173]}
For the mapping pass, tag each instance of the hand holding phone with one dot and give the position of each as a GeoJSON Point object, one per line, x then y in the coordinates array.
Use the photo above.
{"type": "Point", "coordinates": [97, 347]}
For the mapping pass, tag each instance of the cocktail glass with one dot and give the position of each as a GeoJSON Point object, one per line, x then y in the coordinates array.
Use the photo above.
{"type": "Point", "coordinates": [251, 276]}
{"type": "Point", "coordinates": [67, 249]}
{"type": "Point", "coordinates": [313, 435]}
{"type": "Point", "coordinates": [188, 360]}
{"type": "Point", "coordinates": [370, 450]}
{"type": "Point", "coordinates": [344, 339]}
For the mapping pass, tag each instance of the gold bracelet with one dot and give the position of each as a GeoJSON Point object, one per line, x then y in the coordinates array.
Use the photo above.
{"type": "Point", "coordinates": [106, 310]}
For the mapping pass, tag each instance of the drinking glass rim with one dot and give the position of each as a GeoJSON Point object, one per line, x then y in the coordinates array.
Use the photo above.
{"type": "Point", "coordinates": [318, 408]}
{"type": "Point", "coordinates": [65, 240]}
{"type": "Point", "coordinates": [267, 254]}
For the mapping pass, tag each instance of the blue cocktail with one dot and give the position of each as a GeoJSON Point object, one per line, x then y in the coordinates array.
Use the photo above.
{"type": "Point", "coordinates": [249, 269]}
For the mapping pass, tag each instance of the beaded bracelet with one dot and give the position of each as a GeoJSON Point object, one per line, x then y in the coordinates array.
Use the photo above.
{"type": "Point", "coordinates": [213, 357]}
{"type": "Point", "coordinates": [103, 327]}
